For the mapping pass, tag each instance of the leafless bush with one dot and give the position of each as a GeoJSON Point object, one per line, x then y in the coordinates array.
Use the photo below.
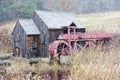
{"type": "Point", "coordinates": [5, 40]}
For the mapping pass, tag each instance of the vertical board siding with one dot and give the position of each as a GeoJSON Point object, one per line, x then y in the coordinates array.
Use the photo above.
{"type": "Point", "coordinates": [43, 35]}
{"type": "Point", "coordinates": [15, 38]}
{"type": "Point", "coordinates": [46, 37]}
{"type": "Point", "coordinates": [23, 38]}
{"type": "Point", "coordinates": [53, 35]}
{"type": "Point", "coordinates": [30, 39]}
{"type": "Point", "coordinates": [19, 35]}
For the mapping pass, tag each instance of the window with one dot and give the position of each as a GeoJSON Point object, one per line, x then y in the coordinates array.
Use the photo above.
{"type": "Point", "coordinates": [43, 37]}
{"type": "Point", "coordinates": [71, 31]}
{"type": "Point", "coordinates": [17, 44]}
{"type": "Point", "coordinates": [17, 37]}
{"type": "Point", "coordinates": [80, 30]}
{"type": "Point", "coordinates": [34, 44]}
{"type": "Point", "coordinates": [65, 31]}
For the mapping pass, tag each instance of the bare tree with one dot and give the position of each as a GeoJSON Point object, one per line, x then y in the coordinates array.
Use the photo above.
{"type": "Point", "coordinates": [60, 5]}
{"type": "Point", "coordinates": [82, 6]}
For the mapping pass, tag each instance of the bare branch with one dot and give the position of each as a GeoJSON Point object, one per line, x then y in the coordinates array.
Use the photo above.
{"type": "Point", "coordinates": [60, 5]}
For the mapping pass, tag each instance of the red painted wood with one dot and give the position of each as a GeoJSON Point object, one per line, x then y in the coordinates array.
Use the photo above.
{"type": "Point", "coordinates": [73, 36]}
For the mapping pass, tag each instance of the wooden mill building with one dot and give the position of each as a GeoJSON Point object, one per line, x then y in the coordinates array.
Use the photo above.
{"type": "Point", "coordinates": [32, 37]}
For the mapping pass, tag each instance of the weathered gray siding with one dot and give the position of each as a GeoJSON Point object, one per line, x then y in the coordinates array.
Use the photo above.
{"type": "Point", "coordinates": [43, 35]}
{"type": "Point", "coordinates": [43, 25]}
{"type": "Point", "coordinates": [53, 34]}
{"type": "Point", "coordinates": [33, 46]}
{"type": "Point", "coordinates": [19, 35]}
{"type": "Point", "coordinates": [23, 42]}
{"type": "Point", "coordinates": [15, 37]}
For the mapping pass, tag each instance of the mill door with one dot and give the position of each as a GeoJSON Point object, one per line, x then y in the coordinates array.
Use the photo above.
{"type": "Point", "coordinates": [33, 46]}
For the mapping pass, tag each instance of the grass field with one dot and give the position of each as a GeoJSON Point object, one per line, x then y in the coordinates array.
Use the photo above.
{"type": "Point", "coordinates": [107, 19]}
{"type": "Point", "coordinates": [109, 22]}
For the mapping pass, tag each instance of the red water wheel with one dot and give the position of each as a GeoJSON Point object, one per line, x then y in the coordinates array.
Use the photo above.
{"type": "Point", "coordinates": [58, 48]}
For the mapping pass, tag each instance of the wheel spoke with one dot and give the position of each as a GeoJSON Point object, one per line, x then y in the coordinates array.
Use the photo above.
{"type": "Point", "coordinates": [63, 45]}
{"type": "Point", "coordinates": [62, 48]}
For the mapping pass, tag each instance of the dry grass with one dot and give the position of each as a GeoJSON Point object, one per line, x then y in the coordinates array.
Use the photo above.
{"type": "Point", "coordinates": [5, 36]}
{"type": "Point", "coordinates": [5, 40]}
{"type": "Point", "coordinates": [108, 19]}
{"type": "Point", "coordinates": [96, 65]}
{"type": "Point", "coordinates": [8, 25]}
{"type": "Point", "coordinates": [105, 21]}
{"type": "Point", "coordinates": [23, 70]}
{"type": "Point", "coordinates": [91, 64]}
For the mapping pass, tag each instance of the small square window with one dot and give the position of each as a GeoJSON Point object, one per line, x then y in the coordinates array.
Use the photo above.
{"type": "Point", "coordinates": [17, 44]}
{"type": "Point", "coordinates": [34, 44]}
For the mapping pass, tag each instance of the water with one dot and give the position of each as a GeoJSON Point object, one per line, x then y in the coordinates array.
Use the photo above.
{"type": "Point", "coordinates": [58, 75]}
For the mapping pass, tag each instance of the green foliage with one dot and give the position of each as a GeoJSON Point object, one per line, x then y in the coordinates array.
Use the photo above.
{"type": "Point", "coordinates": [24, 10]}
{"type": "Point", "coordinates": [10, 9]}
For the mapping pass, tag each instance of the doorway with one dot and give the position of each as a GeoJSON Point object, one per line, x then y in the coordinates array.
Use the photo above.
{"type": "Point", "coordinates": [33, 46]}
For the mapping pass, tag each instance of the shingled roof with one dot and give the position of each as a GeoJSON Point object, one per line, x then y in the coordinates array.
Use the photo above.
{"type": "Point", "coordinates": [29, 26]}
{"type": "Point", "coordinates": [59, 19]}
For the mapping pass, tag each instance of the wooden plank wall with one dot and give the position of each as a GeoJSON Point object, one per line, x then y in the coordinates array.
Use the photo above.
{"type": "Point", "coordinates": [53, 34]}
{"type": "Point", "coordinates": [30, 39]}
{"type": "Point", "coordinates": [43, 36]}
{"type": "Point", "coordinates": [19, 35]}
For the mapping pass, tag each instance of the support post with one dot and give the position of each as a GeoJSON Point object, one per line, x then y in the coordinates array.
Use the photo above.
{"type": "Point", "coordinates": [69, 42]}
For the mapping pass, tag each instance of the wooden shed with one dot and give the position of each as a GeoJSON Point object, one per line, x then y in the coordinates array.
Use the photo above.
{"type": "Point", "coordinates": [32, 37]}
{"type": "Point", "coordinates": [26, 39]}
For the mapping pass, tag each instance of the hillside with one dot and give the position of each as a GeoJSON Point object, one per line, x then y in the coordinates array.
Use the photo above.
{"type": "Point", "coordinates": [107, 21]}
{"type": "Point", "coordinates": [111, 21]}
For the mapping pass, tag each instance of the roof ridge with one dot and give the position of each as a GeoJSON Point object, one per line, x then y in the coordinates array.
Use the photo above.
{"type": "Point", "coordinates": [29, 26]}
{"type": "Point", "coordinates": [58, 19]}
{"type": "Point", "coordinates": [53, 11]}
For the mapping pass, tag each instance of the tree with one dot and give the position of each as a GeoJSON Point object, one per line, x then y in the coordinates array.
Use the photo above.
{"type": "Point", "coordinates": [10, 9]}
{"type": "Point", "coordinates": [60, 5]}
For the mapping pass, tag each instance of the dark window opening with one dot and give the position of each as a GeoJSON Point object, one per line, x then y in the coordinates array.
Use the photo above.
{"type": "Point", "coordinates": [65, 31]}
{"type": "Point", "coordinates": [17, 44]}
{"type": "Point", "coordinates": [71, 31]}
{"type": "Point", "coordinates": [43, 37]}
{"type": "Point", "coordinates": [34, 45]}
{"type": "Point", "coordinates": [17, 48]}
{"type": "Point", "coordinates": [73, 24]}
{"type": "Point", "coordinates": [80, 30]}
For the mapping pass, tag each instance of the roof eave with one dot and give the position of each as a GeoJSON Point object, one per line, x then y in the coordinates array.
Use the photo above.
{"type": "Point", "coordinates": [32, 34]}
